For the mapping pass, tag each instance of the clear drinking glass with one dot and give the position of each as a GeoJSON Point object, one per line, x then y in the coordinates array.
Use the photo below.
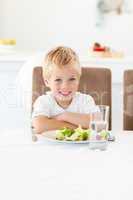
{"type": "Point", "coordinates": [98, 123]}
{"type": "Point", "coordinates": [100, 119]}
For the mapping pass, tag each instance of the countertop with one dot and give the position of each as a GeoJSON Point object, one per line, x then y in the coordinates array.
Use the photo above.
{"type": "Point", "coordinates": [25, 55]}
{"type": "Point", "coordinates": [28, 60]}
{"type": "Point", "coordinates": [17, 56]}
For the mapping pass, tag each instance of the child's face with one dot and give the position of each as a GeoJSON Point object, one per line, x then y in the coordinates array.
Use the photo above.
{"type": "Point", "coordinates": [63, 83]}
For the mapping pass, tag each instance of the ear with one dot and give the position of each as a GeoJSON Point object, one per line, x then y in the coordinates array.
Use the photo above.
{"type": "Point", "coordinates": [46, 83]}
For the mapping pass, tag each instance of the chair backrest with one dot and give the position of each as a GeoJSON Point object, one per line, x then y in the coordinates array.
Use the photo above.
{"type": "Point", "coordinates": [128, 100]}
{"type": "Point", "coordinates": [94, 81]}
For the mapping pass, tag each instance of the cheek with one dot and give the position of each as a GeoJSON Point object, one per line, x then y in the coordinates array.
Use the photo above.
{"type": "Point", "coordinates": [75, 85]}
{"type": "Point", "coordinates": [55, 86]}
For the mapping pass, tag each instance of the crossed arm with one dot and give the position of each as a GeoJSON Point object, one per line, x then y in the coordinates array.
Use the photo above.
{"type": "Point", "coordinates": [66, 119]}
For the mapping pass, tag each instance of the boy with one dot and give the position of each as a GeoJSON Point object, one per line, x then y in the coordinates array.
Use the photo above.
{"type": "Point", "coordinates": [63, 106]}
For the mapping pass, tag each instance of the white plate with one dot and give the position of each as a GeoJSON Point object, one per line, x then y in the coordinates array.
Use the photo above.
{"type": "Point", "coordinates": [50, 136]}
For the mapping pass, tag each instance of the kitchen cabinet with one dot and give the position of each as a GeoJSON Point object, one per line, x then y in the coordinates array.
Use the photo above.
{"type": "Point", "coordinates": [10, 109]}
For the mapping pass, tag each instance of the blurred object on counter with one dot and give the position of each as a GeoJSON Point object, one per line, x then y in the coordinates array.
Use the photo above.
{"type": "Point", "coordinates": [98, 50]}
{"type": "Point", "coordinates": [7, 45]}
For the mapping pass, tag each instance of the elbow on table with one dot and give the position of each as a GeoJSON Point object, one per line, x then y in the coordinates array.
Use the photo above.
{"type": "Point", "coordinates": [38, 126]}
{"type": "Point", "coordinates": [37, 129]}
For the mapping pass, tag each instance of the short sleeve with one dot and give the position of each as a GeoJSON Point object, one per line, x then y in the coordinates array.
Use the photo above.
{"type": "Point", "coordinates": [41, 107]}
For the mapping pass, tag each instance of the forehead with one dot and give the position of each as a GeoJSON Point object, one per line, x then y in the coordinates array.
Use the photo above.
{"type": "Point", "coordinates": [64, 71]}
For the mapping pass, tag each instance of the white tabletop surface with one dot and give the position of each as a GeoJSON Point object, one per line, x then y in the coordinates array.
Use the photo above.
{"type": "Point", "coordinates": [50, 171]}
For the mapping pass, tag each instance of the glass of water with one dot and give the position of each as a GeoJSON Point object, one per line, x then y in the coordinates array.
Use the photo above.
{"type": "Point", "coordinates": [100, 119]}
{"type": "Point", "coordinates": [99, 124]}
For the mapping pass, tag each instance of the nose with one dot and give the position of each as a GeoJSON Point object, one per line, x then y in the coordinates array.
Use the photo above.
{"type": "Point", "coordinates": [64, 85]}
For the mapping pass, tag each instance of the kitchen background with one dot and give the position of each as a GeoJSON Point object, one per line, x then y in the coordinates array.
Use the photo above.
{"type": "Point", "coordinates": [39, 25]}
{"type": "Point", "coordinates": [42, 24]}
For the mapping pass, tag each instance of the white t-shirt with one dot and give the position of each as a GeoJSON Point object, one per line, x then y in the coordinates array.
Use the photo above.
{"type": "Point", "coordinates": [47, 106]}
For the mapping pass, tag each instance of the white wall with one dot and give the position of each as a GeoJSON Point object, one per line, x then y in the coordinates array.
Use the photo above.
{"type": "Point", "coordinates": [42, 24]}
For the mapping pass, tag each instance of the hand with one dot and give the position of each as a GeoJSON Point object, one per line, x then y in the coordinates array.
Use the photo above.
{"type": "Point", "coordinates": [61, 117]}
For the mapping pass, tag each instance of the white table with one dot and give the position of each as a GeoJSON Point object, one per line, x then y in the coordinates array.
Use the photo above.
{"type": "Point", "coordinates": [55, 171]}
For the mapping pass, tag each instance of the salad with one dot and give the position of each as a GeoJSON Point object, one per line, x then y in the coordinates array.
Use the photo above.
{"type": "Point", "coordinates": [80, 134]}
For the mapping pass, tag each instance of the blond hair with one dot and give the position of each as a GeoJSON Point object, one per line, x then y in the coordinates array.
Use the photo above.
{"type": "Point", "coordinates": [60, 57]}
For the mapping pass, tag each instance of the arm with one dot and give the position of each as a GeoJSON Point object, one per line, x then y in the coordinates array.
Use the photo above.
{"type": "Point", "coordinates": [42, 123]}
{"type": "Point", "coordinates": [75, 118]}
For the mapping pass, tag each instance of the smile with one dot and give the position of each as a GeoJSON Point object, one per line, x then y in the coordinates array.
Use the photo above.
{"type": "Point", "coordinates": [65, 93]}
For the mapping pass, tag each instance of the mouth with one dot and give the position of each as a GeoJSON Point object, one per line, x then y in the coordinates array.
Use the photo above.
{"type": "Point", "coordinates": [65, 94]}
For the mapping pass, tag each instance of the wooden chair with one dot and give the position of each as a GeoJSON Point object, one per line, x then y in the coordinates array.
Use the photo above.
{"type": "Point", "coordinates": [128, 100]}
{"type": "Point", "coordinates": [94, 81]}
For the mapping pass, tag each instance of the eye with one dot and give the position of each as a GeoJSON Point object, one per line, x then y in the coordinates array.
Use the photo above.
{"type": "Point", "coordinates": [72, 79]}
{"type": "Point", "coordinates": [57, 80]}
